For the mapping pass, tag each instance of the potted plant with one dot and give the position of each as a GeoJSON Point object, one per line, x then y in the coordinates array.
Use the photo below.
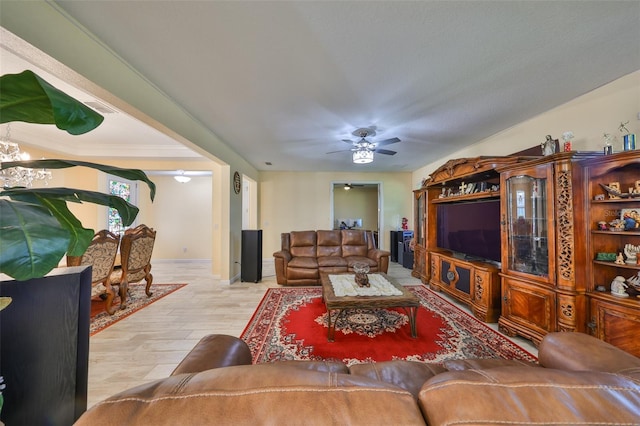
{"type": "Point", "coordinates": [36, 226]}
{"type": "Point", "coordinates": [44, 332]}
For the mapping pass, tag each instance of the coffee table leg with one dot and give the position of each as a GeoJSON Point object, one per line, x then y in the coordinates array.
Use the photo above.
{"type": "Point", "coordinates": [412, 312]}
{"type": "Point", "coordinates": [332, 326]}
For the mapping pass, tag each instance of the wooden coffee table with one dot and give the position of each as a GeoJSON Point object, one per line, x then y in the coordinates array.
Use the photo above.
{"type": "Point", "coordinates": [407, 301]}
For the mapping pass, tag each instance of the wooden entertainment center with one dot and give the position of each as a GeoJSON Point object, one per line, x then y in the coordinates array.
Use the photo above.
{"type": "Point", "coordinates": [548, 277]}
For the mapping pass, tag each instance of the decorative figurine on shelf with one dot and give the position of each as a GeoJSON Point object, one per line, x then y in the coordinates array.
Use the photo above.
{"type": "Point", "coordinates": [630, 219]}
{"type": "Point", "coordinates": [405, 224]}
{"type": "Point", "coordinates": [608, 147]}
{"type": "Point", "coordinates": [618, 287]}
{"type": "Point", "coordinates": [567, 137]}
{"type": "Point", "coordinates": [631, 252]}
{"type": "Point", "coordinates": [619, 259]}
{"type": "Point", "coordinates": [549, 145]}
{"type": "Point", "coordinates": [634, 285]}
{"type": "Point", "coordinates": [602, 226]}
{"type": "Point", "coordinates": [628, 138]}
{"type": "Point", "coordinates": [616, 225]}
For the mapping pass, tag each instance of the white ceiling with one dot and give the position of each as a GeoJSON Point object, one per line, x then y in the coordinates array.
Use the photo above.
{"type": "Point", "coordinates": [285, 81]}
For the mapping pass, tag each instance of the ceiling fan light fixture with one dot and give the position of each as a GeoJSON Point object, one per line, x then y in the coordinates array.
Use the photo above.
{"type": "Point", "coordinates": [362, 156]}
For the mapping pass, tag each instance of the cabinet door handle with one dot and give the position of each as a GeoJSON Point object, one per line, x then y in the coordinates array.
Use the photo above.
{"type": "Point", "coordinates": [505, 298]}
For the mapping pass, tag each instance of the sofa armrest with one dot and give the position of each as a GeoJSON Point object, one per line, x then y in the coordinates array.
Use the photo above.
{"type": "Point", "coordinates": [381, 257]}
{"type": "Point", "coordinates": [215, 351]}
{"type": "Point", "coordinates": [283, 254]}
{"type": "Point", "coordinates": [579, 351]}
{"type": "Point", "coordinates": [377, 254]}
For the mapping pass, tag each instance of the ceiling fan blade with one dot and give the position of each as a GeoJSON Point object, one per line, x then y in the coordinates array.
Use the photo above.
{"type": "Point", "coordinates": [347, 141]}
{"type": "Point", "coordinates": [342, 150]}
{"type": "Point", "coordinates": [385, 151]}
{"type": "Point", "coordinates": [387, 142]}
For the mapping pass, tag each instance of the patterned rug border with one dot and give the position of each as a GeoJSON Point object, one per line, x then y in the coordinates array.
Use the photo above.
{"type": "Point", "coordinates": [309, 292]}
{"type": "Point", "coordinates": [159, 291]}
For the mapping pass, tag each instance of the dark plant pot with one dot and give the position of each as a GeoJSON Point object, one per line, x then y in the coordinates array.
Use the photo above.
{"type": "Point", "coordinates": [44, 347]}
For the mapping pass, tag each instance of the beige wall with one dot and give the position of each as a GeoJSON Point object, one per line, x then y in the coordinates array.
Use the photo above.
{"type": "Point", "coordinates": [293, 201]}
{"type": "Point", "coordinates": [588, 117]}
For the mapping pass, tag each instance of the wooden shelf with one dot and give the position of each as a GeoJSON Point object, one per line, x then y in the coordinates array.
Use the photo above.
{"type": "Point", "coordinates": [625, 233]}
{"type": "Point", "coordinates": [467, 197]}
{"type": "Point", "coordinates": [617, 265]}
{"type": "Point", "coordinates": [631, 301]}
{"type": "Point", "coordinates": [616, 201]}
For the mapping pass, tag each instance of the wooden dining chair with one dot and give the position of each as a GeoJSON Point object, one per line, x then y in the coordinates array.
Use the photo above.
{"type": "Point", "coordinates": [100, 255]}
{"type": "Point", "coordinates": [136, 248]}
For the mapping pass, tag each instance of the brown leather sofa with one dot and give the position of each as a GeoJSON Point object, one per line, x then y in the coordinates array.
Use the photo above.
{"type": "Point", "coordinates": [304, 254]}
{"type": "Point", "coordinates": [579, 380]}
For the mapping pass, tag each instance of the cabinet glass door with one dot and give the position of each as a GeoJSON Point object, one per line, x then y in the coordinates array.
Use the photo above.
{"type": "Point", "coordinates": [527, 233]}
{"type": "Point", "coordinates": [420, 229]}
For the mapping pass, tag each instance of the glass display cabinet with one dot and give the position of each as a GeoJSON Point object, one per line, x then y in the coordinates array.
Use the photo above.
{"type": "Point", "coordinates": [527, 230]}
{"type": "Point", "coordinates": [543, 289]}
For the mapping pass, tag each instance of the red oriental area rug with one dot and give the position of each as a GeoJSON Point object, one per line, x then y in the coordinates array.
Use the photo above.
{"type": "Point", "coordinates": [137, 300]}
{"type": "Point", "coordinates": [291, 324]}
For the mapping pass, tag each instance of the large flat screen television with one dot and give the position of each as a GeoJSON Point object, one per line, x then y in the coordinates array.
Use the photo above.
{"type": "Point", "coordinates": [470, 229]}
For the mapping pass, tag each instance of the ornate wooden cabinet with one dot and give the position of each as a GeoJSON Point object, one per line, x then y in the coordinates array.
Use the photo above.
{"type": "Point", "coordinates": [614, 319]}
{"type": "Point", "coordinates": [543, 245]}
{"type": "Point", "coordinates": [470, 183]}
{"type": "Point", "coordinates": [475, 283]}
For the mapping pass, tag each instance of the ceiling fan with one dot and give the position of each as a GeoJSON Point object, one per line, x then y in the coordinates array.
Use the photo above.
{"type": "Point", "coordinates": [363, 149]}
{"type": "Point", "coordinates": [348, 186]}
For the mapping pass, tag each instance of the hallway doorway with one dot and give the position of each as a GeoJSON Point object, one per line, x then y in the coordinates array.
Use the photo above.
{"type": "Point", "coordinates": [357, 205]}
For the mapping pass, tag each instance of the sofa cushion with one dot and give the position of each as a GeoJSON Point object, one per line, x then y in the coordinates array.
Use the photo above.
{"type": "Point", "coordinates": [354, 243]}
{"type": "Point", "coordinates": [329, 243]}
{"type": "Point", "coordinates": [409, 375]}
{"type": "Point", "coordinates": [258, 394]}
{"type": "Point", "coordinates": [519, 395]}
{"type": "Point", "coordinates": [303, 263]}
{"type": "Point", "coordinates": [332, 261]}
{"type": "Point", "coordinates": [485, 363]}
{"type": "Point", "coordinates": [352, 260]}
{"type": "Point", "coordinates": [303, 243]}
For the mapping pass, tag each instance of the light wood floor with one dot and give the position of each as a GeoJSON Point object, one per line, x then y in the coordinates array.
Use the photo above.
{"type": "Point", "coordinates": [149, 344]}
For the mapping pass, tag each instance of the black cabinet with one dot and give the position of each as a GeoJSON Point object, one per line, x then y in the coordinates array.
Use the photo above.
{"type": "Point", "coordinates": [251, 261]}
{"type": "Point", "coordinates": [44, 348]}
{"type": "Point", "coordinates": [398, 246]}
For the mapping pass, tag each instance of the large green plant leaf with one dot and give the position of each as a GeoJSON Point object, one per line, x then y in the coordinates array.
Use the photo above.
{"type": "Point", "coordinates": [27, 97]}
{"type": "Point", "coordinates": [130, 174]}
{"type": "Point", "coordinates": [127, 211]}
{"type": "Point", "coordinates": [32, 240]}
{"type": "Point", "coordinates": [80, 237]}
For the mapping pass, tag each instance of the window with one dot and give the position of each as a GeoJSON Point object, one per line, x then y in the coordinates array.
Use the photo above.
{"type": "Point", "coordinates": [125, 189]}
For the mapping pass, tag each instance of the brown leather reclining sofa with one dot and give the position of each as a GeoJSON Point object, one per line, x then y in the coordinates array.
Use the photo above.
{"type": "Point", "coordinates": [305, 254]}
{"type": "Point", "coordinates": [578, 380]}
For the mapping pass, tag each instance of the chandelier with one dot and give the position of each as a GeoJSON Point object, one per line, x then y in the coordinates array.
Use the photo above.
{"type": "Point", "coordinates": [362, 156]}
{"type": "Point", "coordinates": [18, 176]}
